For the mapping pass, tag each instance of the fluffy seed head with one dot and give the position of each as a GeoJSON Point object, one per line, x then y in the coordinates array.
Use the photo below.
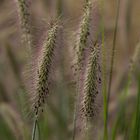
{"type": "Point", "coordinates": [84, 32]}
{"type": "Point", "coordinates": [24, 15]}
{"type": "Point", "coordinates": [91, 85]}
{"type": "Point", "coordinates": [42, 89]}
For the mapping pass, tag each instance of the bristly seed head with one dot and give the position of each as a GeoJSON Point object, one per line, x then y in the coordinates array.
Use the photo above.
{"type": "Point", "coordinates": [24, 16]}
{"type": "Point", "coordinates": [91, 85]}
{"type": "Point", "coordinates": [84, 33]}
{"type": "Point", "coordinates": [42, 87]}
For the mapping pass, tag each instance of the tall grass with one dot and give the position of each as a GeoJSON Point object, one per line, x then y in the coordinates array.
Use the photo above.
{"type": "Point", "coordinates": [42, 87]}
{"type": "Point", "coordinates": [136, 131]}
{"type": "Point", "coordinates": [81, 46]}
{"type": "Point", "coordinates": [112, 61]}
{"type": "Point", "coordinates": [104, 70]}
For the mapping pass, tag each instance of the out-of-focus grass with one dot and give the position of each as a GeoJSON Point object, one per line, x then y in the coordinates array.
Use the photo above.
{"type": "Point", "coordinates": [5, 131]}
{"type": "Point", "coordinates": [136, 129]}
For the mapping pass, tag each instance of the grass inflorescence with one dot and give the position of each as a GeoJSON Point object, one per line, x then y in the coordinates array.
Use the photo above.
{"type": "Point", "coordinates": [80, 48]}
{"type": "Point", "coordinates": [84, 33]}
{"type": "Point", "coordinates": [43, 71]}
{"type": "Point", "coordinates": [25, 22]}
{"type": "Point", "coordinates": [42, 87]}
{"type": "Point", "coordinates": [91, 85]}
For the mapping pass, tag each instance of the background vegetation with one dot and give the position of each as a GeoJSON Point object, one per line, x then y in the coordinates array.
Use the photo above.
{"type": "Point", "coordinates": [56, 122]}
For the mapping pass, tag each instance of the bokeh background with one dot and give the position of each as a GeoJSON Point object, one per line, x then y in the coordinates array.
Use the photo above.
{"type": "Point", "coordinates": [56, 121]}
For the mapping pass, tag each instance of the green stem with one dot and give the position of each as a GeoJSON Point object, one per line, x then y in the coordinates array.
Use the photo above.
{"type": "Point", "coordinates": [34, 130]}
{"type": "Point", "coordinates": [113, 53]}
{"type": "Point", "coordinates": [104, 85]}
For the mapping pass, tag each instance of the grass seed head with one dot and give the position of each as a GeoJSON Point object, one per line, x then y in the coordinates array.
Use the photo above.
{"type": "Point", "coordinates": [42, 86]}
{"type": "Point", "coordinates": [24, 16]}
{"type": "Point", "coordinates": [91, 85]}
{"type": "Point", "coordinates": [84, 33]}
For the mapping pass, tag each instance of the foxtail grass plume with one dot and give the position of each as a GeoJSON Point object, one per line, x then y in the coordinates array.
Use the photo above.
{"type": "Point", "coordinates": [42, 85]}
{"type": "Point", "coordinates": [82, 48]}
{"type": "Point", "coordinates": [92, 85]}
{"type": "Point", "coordinates": [24, 16]}
{"type": "Point", "coordinates": [83, 34]}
